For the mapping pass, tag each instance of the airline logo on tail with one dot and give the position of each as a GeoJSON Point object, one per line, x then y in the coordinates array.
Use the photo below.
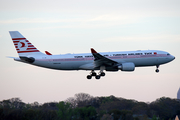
{"type": "Point", "coordinates": [21, 44]}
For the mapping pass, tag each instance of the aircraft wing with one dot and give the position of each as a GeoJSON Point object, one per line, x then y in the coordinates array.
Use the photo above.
{"type": "Point", "coordinates": [101, 60]}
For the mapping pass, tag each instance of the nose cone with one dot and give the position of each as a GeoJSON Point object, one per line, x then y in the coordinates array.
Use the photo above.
{"type": "Point", "coordinates": [172, 57]}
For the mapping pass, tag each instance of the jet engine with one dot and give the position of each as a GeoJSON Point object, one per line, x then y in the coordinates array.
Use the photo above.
{"type": "Point", "coordinates": [127, 66]}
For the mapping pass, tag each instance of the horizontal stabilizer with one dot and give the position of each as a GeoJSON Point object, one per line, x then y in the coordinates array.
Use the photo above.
{"type": "Point", "coordinates": [10, 57]}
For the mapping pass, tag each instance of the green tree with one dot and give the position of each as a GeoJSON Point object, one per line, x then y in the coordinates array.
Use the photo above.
{"type": "Point", "coordinates": [155, 118]}
{"type": "Point", "coordinates": [64, 111]}
{"type": "Point", "coordinates": [85, 113]}
{"type": "Point", "coordinates": [116, 114]}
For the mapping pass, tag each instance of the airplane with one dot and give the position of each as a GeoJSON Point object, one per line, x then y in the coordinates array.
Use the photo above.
{"type": "Point", "coordinates": [105, 61]}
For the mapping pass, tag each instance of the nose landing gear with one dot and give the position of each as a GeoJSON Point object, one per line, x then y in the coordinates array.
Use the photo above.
{"type": "Point", "coordinates": [157, 70]}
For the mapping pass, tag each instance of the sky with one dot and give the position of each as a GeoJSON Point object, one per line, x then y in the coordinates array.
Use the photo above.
{"type": "Point", "coordinates": [75, 26]}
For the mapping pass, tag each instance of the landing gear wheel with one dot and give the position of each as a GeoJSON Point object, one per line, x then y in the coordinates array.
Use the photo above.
{"type": "Point", "coordinates": [102, 74]}
{"type": "Point", "coordinates": [92, 73]}
{"type": "Point", "coordinates": [157, 70]}
{"type": "Point", "coordinates": [89, 76]}
{"type": "Point", "coordinates": [97, 76]}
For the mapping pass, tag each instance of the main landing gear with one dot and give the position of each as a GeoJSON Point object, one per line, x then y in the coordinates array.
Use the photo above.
{"type": "Point", "coordinates": [157, 70]}
{"type": "Point", "coordinates": [92, 73]}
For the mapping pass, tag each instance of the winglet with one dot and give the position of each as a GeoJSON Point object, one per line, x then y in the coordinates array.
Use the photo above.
{"type": "Point", "coordinates": [48, 53]}
{"type": "Point", "coordinates": [93, 51]}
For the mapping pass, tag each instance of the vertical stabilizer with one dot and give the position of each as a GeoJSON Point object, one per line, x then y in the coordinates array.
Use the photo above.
{"type": "Point", "coordinates": [22, 45]}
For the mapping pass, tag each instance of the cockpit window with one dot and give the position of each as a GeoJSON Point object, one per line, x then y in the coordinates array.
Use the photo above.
{"type": "Point", "coordinates": [168, 54]}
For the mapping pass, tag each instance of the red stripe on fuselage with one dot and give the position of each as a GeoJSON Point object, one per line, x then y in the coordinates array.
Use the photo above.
{"type": "Point", "coordinates": [137, 56]}
{"type": "Point", "coordinates": [113, 57]}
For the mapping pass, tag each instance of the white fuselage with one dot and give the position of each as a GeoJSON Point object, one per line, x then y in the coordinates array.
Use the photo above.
{"type": "Point", "coordinates": [85, 61]}
{"type": "Point", "coordinates": [109, 61]}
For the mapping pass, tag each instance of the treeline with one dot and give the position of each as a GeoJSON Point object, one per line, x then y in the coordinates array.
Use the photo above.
{"type": "Point", "coordinates": [86, 107]}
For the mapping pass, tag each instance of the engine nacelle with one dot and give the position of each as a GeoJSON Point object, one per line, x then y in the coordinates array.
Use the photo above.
{"type": "Point", "coordinates": [127, 66]}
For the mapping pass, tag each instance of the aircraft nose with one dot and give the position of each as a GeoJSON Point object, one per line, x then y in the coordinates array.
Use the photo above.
{"type": "Point", "coordinates": [173, 57]}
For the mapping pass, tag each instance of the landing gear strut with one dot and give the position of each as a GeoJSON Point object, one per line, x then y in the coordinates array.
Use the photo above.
{"type": "Point", "coordinates": [102, 73]}
{"type": "Point", "coordinates": [157, 70]}
{"type": "Point", "coordinates": [92, 73]}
